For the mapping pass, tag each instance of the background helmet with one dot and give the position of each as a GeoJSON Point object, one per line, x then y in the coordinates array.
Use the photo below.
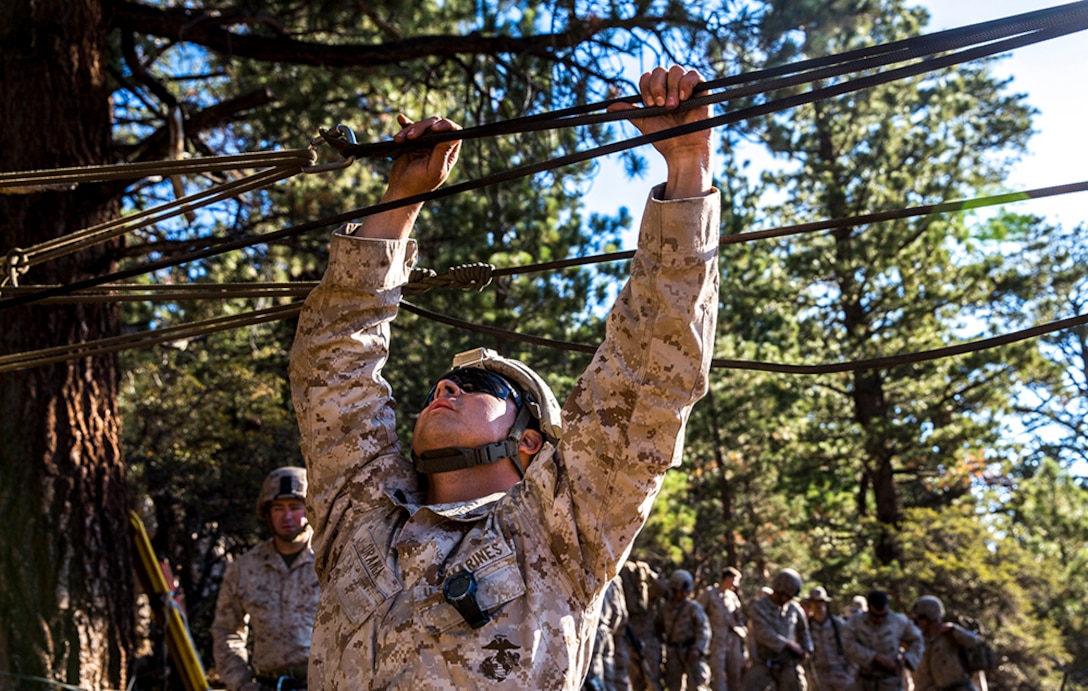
{"type": "Point", "coordinates": [930, 607]}
{"type": "Point", "coordinates": [539, 397]}
{"type": "Point", "coordinates": [282, 483]}
{"type": "Point", "coordinates": [819, 594]}
{"type": "Point", "coordinates": [681, 580]}
{"type": "Point", "coordinates": [787, 582]}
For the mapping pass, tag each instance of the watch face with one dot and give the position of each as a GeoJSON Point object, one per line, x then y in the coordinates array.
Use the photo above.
{"type": "Point", "coordinates": [458, 585]}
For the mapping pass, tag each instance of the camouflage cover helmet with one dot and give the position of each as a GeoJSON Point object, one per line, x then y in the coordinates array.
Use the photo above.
{"type": "Point", "coordinates": [539, 397]}
{"type": "Point", "coordinates": [538, 403]}
{"type": "Point", "coordinates": [681, 580]}
{"type": "Point", "coordinates": [929, 607]}
{"type": "Point", "coordinates": [787, 582]}
{"type": "Point", "coordinates": [282, 483]}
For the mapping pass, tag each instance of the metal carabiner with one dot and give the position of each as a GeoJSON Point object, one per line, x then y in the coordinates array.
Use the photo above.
{"type": "Point", "coordinates": [338, 134]}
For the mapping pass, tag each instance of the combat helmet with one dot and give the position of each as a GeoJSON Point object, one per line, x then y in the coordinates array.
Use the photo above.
{"type": "Point", "coordinates": [681, 580]}
{"type": "Point", "coordinates": [787, 582]}
{"type": "Point", "coordinates": [929, 607]}
{"type": "Point", "coordinates": [282, 483]}
{"type": "Point", "coordinates": [538, 404]}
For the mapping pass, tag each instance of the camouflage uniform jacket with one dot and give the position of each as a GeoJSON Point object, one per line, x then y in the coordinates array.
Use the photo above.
{"type": "Point", "coordinates": [280, 601]}
{"type": "Point", "coordinates": [726, 614]}
{"type": "Point", "coordinates": [542, 553]}
{"type": "Point", "coordinates": [829, 659]}
{"type": "Point", "coordinates": [613, 621]}
{"type": "Point", "coordinates": [770, 627]}
{"type": "Point", "coordinates": [941, 665]}
{"type": "Point", "coordinates": [864, 638]}
{"type": "Point", "coordinates": [684, 624]}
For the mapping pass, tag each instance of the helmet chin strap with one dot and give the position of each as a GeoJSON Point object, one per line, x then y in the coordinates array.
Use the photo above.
{"type": "Point", "coordinates": [459, 457]}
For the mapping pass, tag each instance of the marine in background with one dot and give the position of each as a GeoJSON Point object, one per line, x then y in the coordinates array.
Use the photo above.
{"type": "Point", "coordinates": [941, 667]}
{"type": "Point", "coordinates": [723, 607]}
{"type": "Point", "coordinates": [831, 669]}
{"type": "Point", "coordinates": [883, 643]}
{"type": "Point", "coordinates": [779, 641]}
{"type": "Point", "coordinates": [269, 596]}
{"type": "Point", "coordinates": [686, 634]}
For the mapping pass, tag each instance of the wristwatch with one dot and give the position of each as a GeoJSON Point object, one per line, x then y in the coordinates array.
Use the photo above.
{"type": "Point", "coordinates": [460, 591]}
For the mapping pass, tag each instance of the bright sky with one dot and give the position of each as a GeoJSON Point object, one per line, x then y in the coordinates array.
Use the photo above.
{"type": "Point", "coordinates": [1052, 75]}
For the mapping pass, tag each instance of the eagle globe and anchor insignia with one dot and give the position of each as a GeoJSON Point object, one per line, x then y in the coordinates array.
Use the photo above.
{"type": "Point", "coordinates": [499, 666]}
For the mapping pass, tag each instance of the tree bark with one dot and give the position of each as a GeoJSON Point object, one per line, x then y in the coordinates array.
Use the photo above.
{"type": "Point", "coordinates": [66, 586]}
{"type": "Point", "coordinates": [870, 406]}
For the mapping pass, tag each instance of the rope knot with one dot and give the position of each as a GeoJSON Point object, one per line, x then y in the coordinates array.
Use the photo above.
{"type": "Point", "coordinates": [16, 263]}
{"type": "Point", "coordinates": [474, 276]}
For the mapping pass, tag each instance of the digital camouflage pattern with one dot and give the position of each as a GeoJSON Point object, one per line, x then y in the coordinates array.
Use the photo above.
{"type": "Point", "coordinates": [607, 671]}
{"type": "Point", "coordinates": [543, 552]}
{"type": "Point", "coordinates": [770, 627]}
{"type": "Point", "coordinates": [727, 655]}
{"type": "Point", "coordinates": [865, 637]}
{"type": "Point", "coordinates": [280, 601]}
{"type": "Point", "coordinates": [941, 665]}
{"type": "Point", "coordinates": [834, 671]}
{"type": "Point", "coordinates": [642, 591]}
{"type": "Point", "coordinates": [685, 627]}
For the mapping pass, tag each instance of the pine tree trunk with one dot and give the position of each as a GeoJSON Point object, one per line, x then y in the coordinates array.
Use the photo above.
{"type": "Point", "coordinates": [66, 585]}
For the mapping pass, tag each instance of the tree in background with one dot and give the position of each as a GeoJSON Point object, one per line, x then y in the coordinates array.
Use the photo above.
{"type": "Point", "coordinates": [913, 435]}
{"type": "Point", "coordinates": [203, 80]}
{"type": "Point", "coordinates": [65, 559]}
{"type": "Point", "coordinates": [879, 477]}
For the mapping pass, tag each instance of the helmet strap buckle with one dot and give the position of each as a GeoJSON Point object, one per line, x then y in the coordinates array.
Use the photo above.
{"type": "Point", "coordinates": [459, 457]}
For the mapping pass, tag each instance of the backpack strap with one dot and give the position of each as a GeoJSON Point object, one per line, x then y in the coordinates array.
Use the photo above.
{"type": "Point", "coordinates": [838, 636]}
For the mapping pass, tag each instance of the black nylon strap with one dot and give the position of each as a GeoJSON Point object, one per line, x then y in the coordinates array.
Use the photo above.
{"type": "Point", "coordinates": [459, 457]}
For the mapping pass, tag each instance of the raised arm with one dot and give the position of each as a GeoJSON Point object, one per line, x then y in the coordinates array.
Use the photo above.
{"type": "Point", "coordinates": [688, 157]}
{"type": "Point", "coordinates": [624, 421]}
{"type": "Point", "coordinates": [343, 404]}
{"type": "Point", "coordinates": [415, 172]}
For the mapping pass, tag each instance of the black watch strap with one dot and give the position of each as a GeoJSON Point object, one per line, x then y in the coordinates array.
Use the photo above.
{"type": "Point", "coordinates": [460, 591]}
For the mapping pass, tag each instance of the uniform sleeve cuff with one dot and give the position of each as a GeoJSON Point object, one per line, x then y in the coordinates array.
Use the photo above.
{"type": "Point", "coordinates": [369, 262]}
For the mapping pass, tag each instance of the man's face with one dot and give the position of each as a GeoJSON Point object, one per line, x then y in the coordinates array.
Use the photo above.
{"type": "Point", "coordinates": [459, 417]}
{"type": "Point", "coordinates": [781, 598]}
{"type": "Point", "coordinates": [288, 518]}
{"type": "Point", "coordinates": [924, 623]}
{"type": "Point", "coordinates": [877, 616]}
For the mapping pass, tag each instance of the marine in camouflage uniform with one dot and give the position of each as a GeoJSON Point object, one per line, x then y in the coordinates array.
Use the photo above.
{"type": "Point", "coordinates": [778, 637]}
{"type": "Point", "coordinates": [531, 559]}
{"type": "Point", "coordinates": [606, 671]}
{"type": "Point", "coordinates": [883, 643]}
{"type": "Point", "coordinates": [832, 670]}
{"type": "Point", "coordinates": [686, 633]}
{"type": "Point", "coordinates": [643, 590]}
{"type": "Point", "coordinates": [941, 667]}
{"type": "Point", "coordinates": [276, 588]}
{"type": "Point", "coordinates": [723, 608]}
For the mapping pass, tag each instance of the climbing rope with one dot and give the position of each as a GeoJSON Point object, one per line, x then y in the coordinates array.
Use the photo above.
{"type": "Point", "coordinates": [1062, 19]}
{"type": "Point", "coordinates": [114, 344]}
{"type": "Point", "coordinates": [284, 164]}
{"type": "Point", "coordinates": [1002, 35]}
{"type": "Point", "coordinates": [477, 276]}
{"type": "Point", "coordinates": [722, 363]}
{"type": "Point", "coordinates": [20, 182]}
{"type": "Point", "coordinates": [1040, 26]}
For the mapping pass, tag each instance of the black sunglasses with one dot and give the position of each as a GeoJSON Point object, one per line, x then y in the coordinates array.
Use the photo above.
{"type": "Point", "coordinates": [476, 380]}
